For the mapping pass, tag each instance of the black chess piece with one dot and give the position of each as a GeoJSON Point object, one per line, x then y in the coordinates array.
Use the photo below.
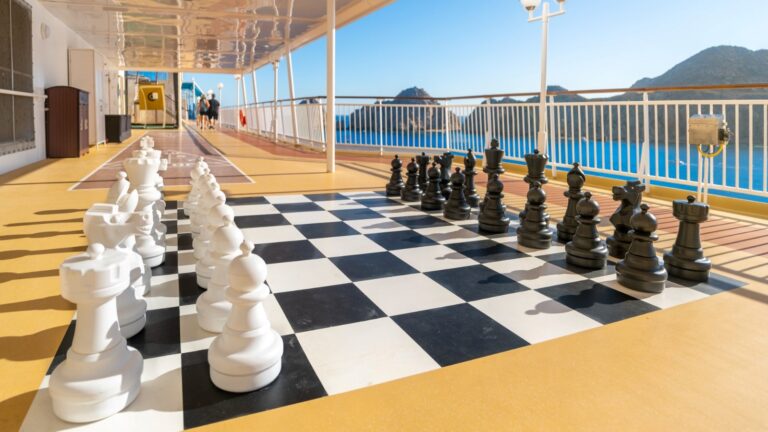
{"type": "Point", "coordinates": [433, 199]}
{"type": "Point", "coordinates": [395, 184]}
{"type": "Point", "coordinates": [445, 162]}
{"type": "Point", "coordinates": [586, 249]}
{"type": "Point", "coordinates": [630, 195]}
{"type": "Point", "coordinates": [534, 231]}
{"type": "Point", "coordinates": [567, 227]}
{"type": "Point", "coordinates": [641, 269]}
{"type": "Point", "coordinates": [456, 207]}
{"type": "Point", "coordinates": [422, 161]}
{"type": "Point", "coordinates": [411, 191]}
{"type": "Point", "coordinates": [470, 192]}
{"type": "Point", "coordinates": [686, 259]}
{"type": "Point", "coordinates": [493, 157]}
{"type": "Point", "coordinates": [536, 163]}
{"type": "Point", "coordinates": [493, 213]}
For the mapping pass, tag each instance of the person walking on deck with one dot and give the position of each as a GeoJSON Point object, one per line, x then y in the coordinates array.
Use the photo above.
{"type": "Point", "coordinates": [202, 112]}
{"type": "Point", "coordinates": [213, 111]}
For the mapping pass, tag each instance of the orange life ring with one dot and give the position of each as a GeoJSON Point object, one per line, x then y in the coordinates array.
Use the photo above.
{"type": "Point", "coordinates": [242, 118]}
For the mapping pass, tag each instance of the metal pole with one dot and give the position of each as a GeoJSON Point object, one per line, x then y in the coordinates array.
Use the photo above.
{"type": "Point", "coordinates": [542, 138]}
{"type": "Point", "coordinates": [552, 145]}
{"type": "Point", "coordinates": [646, 149]}
{"type": "Point", "coordinates": [330, 84]}
{"type": "Point", "coordinates": [292, 95]}
{"type": "Point", "coordinates": [256, 101]}
{"type": "Point", "coordinates": [237, 105]}
{"type": "Point", "coordinates": [275, 65]}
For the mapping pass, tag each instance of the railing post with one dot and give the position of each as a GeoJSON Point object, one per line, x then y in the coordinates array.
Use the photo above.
{"type": "Point", "coordinates": [275, 65]}
{"type": "Point", "coordinates": [644, 164]}
{"type": "Point", "coordinates": [552, 137]}
{"type": "Point", "coordinates": [294, 119]}
{"type": "Point", "coordinates": [257, 123]}
{"type": "Point", "coordinates": [380, 126]}
{"type": "Point", "coordinates": [488, 124]}
{"type": "Point", "coordinates": [447, 129]}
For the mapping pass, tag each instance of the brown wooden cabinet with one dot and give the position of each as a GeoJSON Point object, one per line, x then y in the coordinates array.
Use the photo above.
{"type": "Point", "coordinates": [66, 122]}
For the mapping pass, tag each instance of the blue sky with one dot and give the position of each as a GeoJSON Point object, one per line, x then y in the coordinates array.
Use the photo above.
{"type": "Point", "coordinates": [463, 47]}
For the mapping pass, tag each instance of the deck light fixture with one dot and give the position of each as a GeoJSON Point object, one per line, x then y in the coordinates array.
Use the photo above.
{"type": "Point", "coordinates": [531, 6]}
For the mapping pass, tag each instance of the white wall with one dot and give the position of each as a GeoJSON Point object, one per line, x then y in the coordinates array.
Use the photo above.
{"type": "Point", "coordinates": [49, 68]}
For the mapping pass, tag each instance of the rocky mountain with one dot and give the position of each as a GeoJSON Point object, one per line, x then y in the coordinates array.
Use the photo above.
{"type": "Point", "coordinates": [413, 109]}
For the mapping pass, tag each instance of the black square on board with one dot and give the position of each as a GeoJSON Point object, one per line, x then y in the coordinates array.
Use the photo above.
{"type": "Point", "coordinates": [475, 282]}
{"type": "Point", "coordinates": [372, 266]}
{"type": "Point", "coordinates": [204, 403]}
{"type": "Point", "coordinates": [160, 335]}
{"type": "Point", "coordinates": [297, 250]}
{"type": "Point", "coordinates": [316, 308]}
{"type": "Point", "coordinates": [330, 229]}
{"type": "Point", "coordinates": [169, 267]}
{"type": "Point", "coordinates": [298, 207]}
{"type": "Point", "coordinates": [355, 214]}
{"type": "Point", "coordinates": [327, 197]}
{"type": "Point", "coordinates": [184, 241]}
{"type": "Point", "coordinates": [234, 201]}
{"type": "Point", "coordinates": [597, 301]}
{"type": "Point", "coordinates": [416, 222]}
{"type": "Point", "coordinates": [189, 290]}
{"type": "Point", "coordinates": [454, 334]}
{"type": "Point", "coordinates": [400, 239]}
{"type": "Point", "coordinates": [258, 221]}
{"type": "Point", "coordinates": [485, 251]}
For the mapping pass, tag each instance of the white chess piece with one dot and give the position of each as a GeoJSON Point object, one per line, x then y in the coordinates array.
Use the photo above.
{"type": "Point", "coordinates": [141, 171]}
{"type": "Point", "coordinates": [213, 306]}
{"type": "Point", "coordinates": [101, 374]}
{"type": "Point", "coordinates": [247, 355]}
{"type": "Point", "coordinates": [104, 224]}
{"type": "Point", "coordinates": [208, 188]}
{"type": "Point", "coordinates": [205, 211]}
{"type": "Point", "coordinates": [194, 193]}
{"type": "Point", "coordinates": [120, 187]}
{"type": "Point", "coordinates": [220, 215]}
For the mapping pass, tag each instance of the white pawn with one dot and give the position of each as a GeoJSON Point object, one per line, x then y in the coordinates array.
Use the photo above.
{"type": "Point", "coordinates": [247, 355]}
{"type": "Point", "coordinates": [103, 224]}
{"type": "Point", "coordinates": [101, 374]}
{"type": "Point", "coordinates": [213, 306]}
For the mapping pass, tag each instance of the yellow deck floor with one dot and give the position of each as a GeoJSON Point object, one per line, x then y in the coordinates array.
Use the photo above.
{"type": "Point", "coordinates": [699, 366]}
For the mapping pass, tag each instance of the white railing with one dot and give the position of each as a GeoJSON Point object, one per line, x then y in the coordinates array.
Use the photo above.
{"type": "Point", "coordinates": [605, 137]}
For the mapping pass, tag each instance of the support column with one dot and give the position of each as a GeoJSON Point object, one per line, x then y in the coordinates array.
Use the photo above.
{"type": "Point", "coordinates": [237, 105]}
{"type": "Point", "coordinates": [275, 65]}
{"type": "Point", "coordinates": [292, 95]}
{"type": "Point", "coordinates": [256, 102]}
{"type": "Point", "coordinates": [330, 86]}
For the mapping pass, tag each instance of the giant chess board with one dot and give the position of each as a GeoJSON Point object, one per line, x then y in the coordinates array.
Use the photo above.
{"type": "Point", "coordinates": [367, 289]}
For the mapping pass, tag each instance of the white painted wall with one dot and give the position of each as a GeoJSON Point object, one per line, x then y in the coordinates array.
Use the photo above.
{"type": "Point", "coordinates": [49, 66]}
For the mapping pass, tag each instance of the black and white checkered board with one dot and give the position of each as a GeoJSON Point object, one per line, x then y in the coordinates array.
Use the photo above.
{"type": "Point", "coordinates": [367, 289]}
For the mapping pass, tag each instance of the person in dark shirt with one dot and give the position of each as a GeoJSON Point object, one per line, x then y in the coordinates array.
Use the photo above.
{"type": "Point", "coordinates": [202, 112]}
{"type": "Point", "coordinates": [213, 111]}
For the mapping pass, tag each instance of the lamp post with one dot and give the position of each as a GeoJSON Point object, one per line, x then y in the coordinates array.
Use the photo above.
{"type": "Point", "coordinates": [221, 86]}
{"type": "Point", "coordinates": [531, 6]}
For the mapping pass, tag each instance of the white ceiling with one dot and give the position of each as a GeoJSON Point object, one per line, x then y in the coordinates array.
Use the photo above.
{"type": "Point", "coordinates": [195, 35]}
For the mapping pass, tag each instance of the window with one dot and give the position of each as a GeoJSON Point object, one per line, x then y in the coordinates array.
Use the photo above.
{"type": "Point", "coordinates": [17, 129]}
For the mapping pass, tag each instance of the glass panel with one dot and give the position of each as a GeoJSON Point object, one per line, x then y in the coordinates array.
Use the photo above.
{"type": "Point", "coordinates": [6, 124]}
{"type": "Point", "coordinates": [21, 34]}
{"type": "Point", "coordinates": [23, 109]}
{"type": "Point", "coordinates": [5, 45]}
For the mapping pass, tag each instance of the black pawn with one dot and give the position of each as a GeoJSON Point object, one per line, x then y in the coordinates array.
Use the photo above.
{"type": "Point", "coordinates": [686, 259]}
{"type": "Point", "coordinates": [470, 192]}
{"type": "Point", "coordinates": [533, 231]}
{"type": "Point", "coordinates": [422, 161]}
{"type": "Point", "coordinates": [630, 195]}
{"type": "Point", "coordinates": [567, 227]}
{"type": "Point", "coordinates": [493, 213]}
{"type": "Point", "coordinates": [641, 269]}
{"type": "Point", "coordinates": [433, 199]}
{"type": "Point", "coordinates": [411, 191]}
{"type": "Point", "coordinates": [456, 207]}
{"type": "Point", "coordinates": [395, 185]}
{"type": "Point", "coordinates": [587, 249]}
{"type": "Point", "coordinates": [445, 162]}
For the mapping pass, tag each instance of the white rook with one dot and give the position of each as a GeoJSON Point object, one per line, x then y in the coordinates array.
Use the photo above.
{"type": "Point", "coordinates": [101, 374]}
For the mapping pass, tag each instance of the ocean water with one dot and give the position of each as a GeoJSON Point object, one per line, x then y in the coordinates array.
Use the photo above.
{"type": "Point", "coordinates": [622, 157]}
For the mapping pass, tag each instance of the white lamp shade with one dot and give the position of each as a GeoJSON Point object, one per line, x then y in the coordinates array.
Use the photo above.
{"type": "Point", "coordinates": [530, 5]}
